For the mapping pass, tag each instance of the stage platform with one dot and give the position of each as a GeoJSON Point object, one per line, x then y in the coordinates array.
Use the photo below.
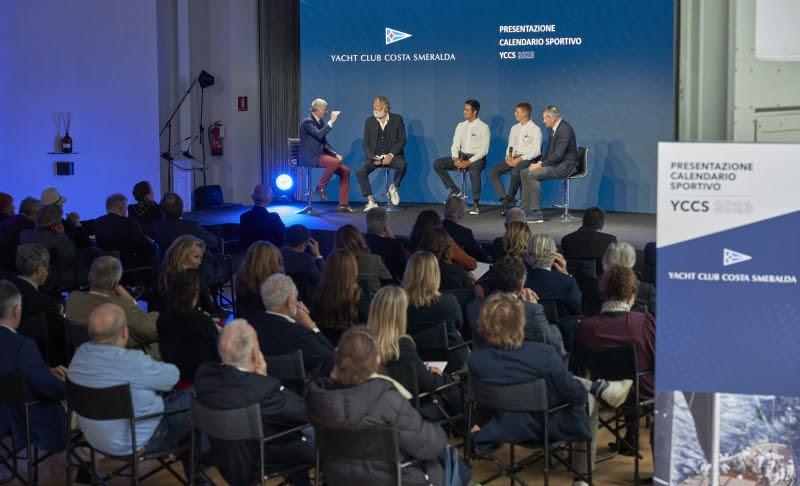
{"type": "Point", "coordinates": [634, 228]}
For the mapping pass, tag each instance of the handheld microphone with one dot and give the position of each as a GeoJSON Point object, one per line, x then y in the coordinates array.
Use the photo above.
{"type": "Point", "coordinates": [510, 151]}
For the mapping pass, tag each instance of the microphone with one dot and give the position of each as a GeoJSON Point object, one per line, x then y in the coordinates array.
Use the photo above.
{"type": "Point", "coordinates": [510, 151]}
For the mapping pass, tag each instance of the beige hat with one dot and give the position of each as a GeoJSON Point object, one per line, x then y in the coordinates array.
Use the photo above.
{"type": "Point", "coordinates": [51, 196]}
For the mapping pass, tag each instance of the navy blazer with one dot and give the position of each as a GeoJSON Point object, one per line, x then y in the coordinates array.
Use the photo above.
{"type": "Point", "coordinates": [554, 285]}
{"type": "Point", "coordinates": [259, 224]}
{"type": "Point", "coordinates": [464, 237]}
{"type": "Point", "coordinates": [10, 229]}
{"type": "Point", "coordinates": [394, 128]}
{"type": "Point", "coordinates": [529, 362]}
{"type": "Point", "coordinates": [277, 336]}
{"type": "Point", "coordinates": [48, 418]}
{"type": "Point", "coordinates": [313, 142]}
{"type": "Point", "coordinates": [562, 151]}
{"type": "Point", "coordinates": [168, 230]}
{"type": "Point", "coordinates": [118, 233]}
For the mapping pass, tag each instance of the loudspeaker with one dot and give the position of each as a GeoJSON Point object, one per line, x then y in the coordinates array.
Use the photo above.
{"type": "Point", "coordinates": [208, 196]}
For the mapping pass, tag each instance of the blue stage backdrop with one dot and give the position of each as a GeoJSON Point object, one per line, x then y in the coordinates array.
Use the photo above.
{"type": "Point", "coordinates": [607, 65]}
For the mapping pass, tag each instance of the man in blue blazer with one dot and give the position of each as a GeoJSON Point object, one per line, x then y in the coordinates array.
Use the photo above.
{"type": "Point", "coordinates": [315, 151]}
{"type": "Point", "coordinates": [48, 418]}
{"type": "Point", "coordinates": [259, 224]}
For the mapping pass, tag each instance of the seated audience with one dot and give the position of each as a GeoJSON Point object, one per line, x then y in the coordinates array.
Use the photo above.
{"type": "Point", "coordinates": [259, 224]}
{"type": "Point", "coordinates": [454, 209]}
{"type": "Point", "coordinates": [173, 225]}
{"type": "Point", "coordinates": [357, 397]}
{"type": "Point", "coordinates": [515, 242]}
{"type": "Point", "coordinates": [11, 228]}
{"type": "Point", "coordinates": [623, 254]}
{"type": "Point", "coordinates": [304, 267]}
{"type": "Point", "coordinates": [453, 276]}
{"type": "Point", "coordinates": [115, 231]}
{"type": "Point", "coordinates": [241, 380]}
{"type": "Point", "coordinates": [186, 255]}
{"type": "Point", "coordinates": [515, 214]}
{"type": "Point", "coordinates": [261, 260]}
{"type": "Point", "coordinates": [286, 326]}
{"type": "Point", "coordinates": [548, 277]}
{"type": "Point", "coordinates": [77, 232]}
{"type": "Point", "coordinates": [588, 242]}
{"type": "Point", "coordinates": [426, 222]}
{"type": "Point", "coordinates": [381, 241]}
{"type": "Point", "coordinates": [146, 212]}
{"type": "Point", "coordinates": [428, 306]}
{"type": "Point", "coordinates": [508, 358]}
{"type": "Point", "coordinates": [370, 266]}
{"type": "Point", "coordinates": [104, 288]}
{"type": "Point", "coordinates": [64, 255]}
{"type": "Point", "coordinates": [104, 361]}
{"type": "Point", "coordinates": [187, 335]}
{"type": "Point", "coordinates": [6, 206]}
{"type": "Point", "coordinates": [47, 418]}
{"type": "Point", "coordinates": [338, 301]}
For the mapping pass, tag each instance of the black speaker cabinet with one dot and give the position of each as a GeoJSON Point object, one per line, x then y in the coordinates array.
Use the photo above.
{"type": "Point", "coordinates": [208, 197]}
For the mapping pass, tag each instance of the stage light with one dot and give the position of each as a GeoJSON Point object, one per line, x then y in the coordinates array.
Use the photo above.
{"type": "Point", "coordinates": [284, 182]}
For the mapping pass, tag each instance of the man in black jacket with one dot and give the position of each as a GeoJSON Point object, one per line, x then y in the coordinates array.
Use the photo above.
{"type": "Point", "coordinates": [304, 267]}
{"type": "Point", "coordinates": [12, 227]}
{"type": "Point", "coordinates": [173, 225]}
{"type": "Point", "coordinates": [240, 381]}
{"type": "Point", "coordinates": [454, 209]}
{"type": "Point", "coordinates": [381, 242]}
{"type": "Point", "coordinates": [384, 140]}
{"type": "Point", "coordinates": [259, 224]}
{"type": "Point", "coordinates": [115, 231]}
{"type": "Point", "coordinates": [286, 326]}
{"type": "Point", "coordinates": [588, 242]}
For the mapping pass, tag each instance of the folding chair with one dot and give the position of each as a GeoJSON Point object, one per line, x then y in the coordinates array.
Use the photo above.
{"type": "Point", "coordinates": [289, 369]}
{"type": "Point", "coordinates": [238, 424]}
{"type": "Point", "coordinates": [530, 397]}
{"type": "Point", "coordinates": [433, 343]}
{"type": "Point", "coordinates": [115, 403]}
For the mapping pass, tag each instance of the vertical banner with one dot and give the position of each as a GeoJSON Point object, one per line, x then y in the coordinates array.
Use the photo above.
{"type": "Point", "coordinates": [728, 331]}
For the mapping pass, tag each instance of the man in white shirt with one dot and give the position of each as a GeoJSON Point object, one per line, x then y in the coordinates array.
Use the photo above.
{"type": "Point", "coordinates": [524, 147]}
{"type": "Point", "coordinates": [467, 153]}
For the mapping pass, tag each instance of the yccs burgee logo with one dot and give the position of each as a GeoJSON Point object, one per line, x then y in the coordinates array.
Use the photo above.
{"type": "Point", "coordinates": [732, 257]}
{"type": "Point", "coordinates": [393, 35]}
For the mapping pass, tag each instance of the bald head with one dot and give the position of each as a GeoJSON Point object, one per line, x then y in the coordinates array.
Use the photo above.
{"type": "Point", "coordinates": [262, 195]}
{"type": "Point", "coordinates": [515, 214]}
{"type": "Point", "coordinates": [108, 325]}
{"type": "Point", "coordinates": [236, 343]}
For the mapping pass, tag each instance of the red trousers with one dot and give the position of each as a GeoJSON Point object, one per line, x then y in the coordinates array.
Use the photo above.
{"type": "Point", "coordinates": [333, 165]}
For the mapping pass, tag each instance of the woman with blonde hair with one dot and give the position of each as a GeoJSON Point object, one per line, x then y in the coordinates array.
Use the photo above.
{"type": "Point", "coordinates": [515, 242]}
{"type": "Point", "coordinates": [185, 254]}
{"type": "Point", "coordinates": [370, 267]}
{"type": "Point", "coordinates": [261, 260]}
{"type": "Point", "coordinates": [338, 301]}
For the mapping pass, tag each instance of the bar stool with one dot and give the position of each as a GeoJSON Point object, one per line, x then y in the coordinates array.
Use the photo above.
{"type": "Point", "coordinates": [581, 171]}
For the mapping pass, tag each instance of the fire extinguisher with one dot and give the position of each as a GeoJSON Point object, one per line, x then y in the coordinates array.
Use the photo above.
{"type": "Point", "coordinates": [216, 138]}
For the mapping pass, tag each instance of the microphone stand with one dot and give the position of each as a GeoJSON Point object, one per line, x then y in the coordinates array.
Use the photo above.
{"type": "Point", "coordinates": [166, 155]}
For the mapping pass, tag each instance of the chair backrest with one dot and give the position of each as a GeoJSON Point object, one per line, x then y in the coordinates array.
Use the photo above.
{"type": "Point", "coordinates": [582, 268]}
{"type": "Point", "coordinates": [373, 444]}
{"type": "Point", "coordinates": [76, 334]}
{"type": "Point", "coordinates": [366, 287]}
{"type": "Point", "coordinates": [233, 424]}
{"type": "Point", "coordinates": [111, 403]}
{"type": "Point", "coordinates": [287, 366]}
{"type": "Point", "coordinates": [614, 364]}
{"type": "Point", "coordinates": [550, 310]}
{"type": "Point", "coordinates": [404, 373]}
{"type": "Point", "coordinates": [12, 387]}
{"type": "Point", "coordinates": [294, 150]}
{"type": "Point", "coordinates": [530, 396]}
{"type": "Point", "coordinates": [582, 168]}
{"type": "Point", "coordinates": [432, 343]}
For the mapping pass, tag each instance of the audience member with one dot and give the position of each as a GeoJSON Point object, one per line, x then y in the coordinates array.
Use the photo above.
{"type": "Point", "coordinates": [145, 211]}
{"type": "Point", "coordinates": [186, 255]}
{"type": "Point", "coordinates": [303, 267]}
{"type": "Point", "coordinates": [339, 301]}
{"type": "Point", "coordinates": [73, 228]}
{"type": "Point", "coordinates": [588, 242]}
{"type": "Point", "coordinates": [187, 335]}
{"type": "Point", "coordinates": [65, 272]}
{"type": "Point", "coordinates": [514, 242]}
{"type": "Point", "coordinates": [11, 228]}
{"type": "Point", "coordinates": [357, 397]}
{"type": "Point", "coordinates": [173, 225]}
{"type": "Point", "coordinates": [453, 276]}
{"type": "Point", "coordinates": [508, 358]}
{"type": "Point", "coordinates": [370, 267]}
{"type": "Point", "coordinates": [261, 260]}
{"type": "Point", "coordinates": [241, 380]}
{"type": "Point", "coordinates": [258, 224]}
{"type": "Point", "coordinates": [381, 241]}
{"type": "Point", "coordinates": [427, 306]}
{"type": "Point", "coordinates": [286, 326]}
{"type": "Point", "coordinates": [6, 206]}
{"type": "Point", "coordinates": [515, 214]}
{"type": "Point", "coordinates": [104, 288]}
{"type": "Point", "coordinates": [45, 385]}
{"type": "Point", "coordinates": [427, 221]}
{"type": "Point", "coordinates": [623, 254]}
{"type": "Point", "coordinates": [548, 277]}
{"type": "Point", "coordinates": [454, 209]}
{"type": "Point", "coordinates": [104, 361]}
{"type": "Point", "coordinates": [115, 231]}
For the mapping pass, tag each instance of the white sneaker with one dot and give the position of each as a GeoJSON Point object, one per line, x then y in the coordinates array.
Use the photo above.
{"type": "Point", "coordinates": [580, 483]}
{"type": "Point", "coordinates": [394, 196]}
{"type": "Point", "coordinates": [370, 205]}
{"type": "Point", "coordinates": [615, 392]}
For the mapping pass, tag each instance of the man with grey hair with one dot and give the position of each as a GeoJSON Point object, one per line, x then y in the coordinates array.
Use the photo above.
{"type": "Point", "coordinates": [381, 241]}
{"type": "Point", "coordinates": [548, 276]}
{"type": "Point", "coordinates": [12, 227]}
{"type": "Point", "coordinates": [105, 288]}
{"type": "Point", "coordinates": [621, 253]}
{"type": "Point", "coordinates": [384, 142]}
{"type": "Point", "coordinates": [240, 381]}
{"type": "Point", "coordinates": [115, 231]}
{"type": "Point", "coordinates": [259, 224]}
{"type": "Point", "coordinates": [559, 162]}
{"type": "Point", "coordinates": [286, 326]}
{"type": "Point", "coordinates": [454, 209]}
{"type": "Point", "coordinates": [105, 361]}
{"type": "Point", "coordinates": [315, 151]}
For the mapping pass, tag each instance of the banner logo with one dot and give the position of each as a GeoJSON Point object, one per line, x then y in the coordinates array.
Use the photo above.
{"type": "Point", "coordinates": [731, 257]}
{"type": "Point", "coordinates": [393, 36]}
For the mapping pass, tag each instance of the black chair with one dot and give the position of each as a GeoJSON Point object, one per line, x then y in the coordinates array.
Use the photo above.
{"type": "Point", "coordinates": [581, 170]}
{"type": "Point", "coordinates": [115, 403]}
{"type": "Point", "coordinates": [374, 444]}
{"type": "Point", "coordinates": [584, 268]}
{"type": "Point", "coordinates": [14, 392]}
{"type": "Point", "coordinates": [289, 369]}
{"type": "Point", "coordinates": [619, 364]}
{"type": "Point", "coordinates": [530, 397]}
{"type": "Point", "coordinates": [75, 336]}
{"type": "Point", "coordinates": [433, 343]}
{"type": "Point", "coordinates": [294, 159]}
{"type": "Point", "coordinates": [366, 288]}
{"type": "Point", "coordinates": [238, 424]}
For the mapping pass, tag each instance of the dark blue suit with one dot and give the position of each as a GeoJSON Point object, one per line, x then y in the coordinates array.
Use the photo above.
{"type": "Point", "coordinates": [259, 224]}
{"type": "Point", "coordinates": [48, 419]}
{"type": "Point", "coordinates": [313, 142]}
{"type": "Point", "coordinates": [277, 336]}
{"type": "Point", "coordinates": [553, 285]}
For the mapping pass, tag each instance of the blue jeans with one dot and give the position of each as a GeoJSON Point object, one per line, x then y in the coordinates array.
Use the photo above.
{"type": "Point", "coordinates": [175, 429]}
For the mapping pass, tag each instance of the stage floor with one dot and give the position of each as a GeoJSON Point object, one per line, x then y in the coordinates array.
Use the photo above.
{"type": "Point", "coordinates": [634, 228]}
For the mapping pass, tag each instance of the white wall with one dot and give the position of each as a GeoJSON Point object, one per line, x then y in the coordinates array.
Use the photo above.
{"type": "Point", "coordinates": [97, 59]}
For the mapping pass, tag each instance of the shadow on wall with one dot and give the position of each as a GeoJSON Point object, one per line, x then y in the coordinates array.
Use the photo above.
{"type": "Point", "coordinates": [420, 177]}
{"type": "Point", "coordinates": [620, 183]}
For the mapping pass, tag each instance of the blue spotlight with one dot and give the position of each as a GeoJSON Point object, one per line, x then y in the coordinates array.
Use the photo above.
{"type": "Point", "coordinates": [282, 186]}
